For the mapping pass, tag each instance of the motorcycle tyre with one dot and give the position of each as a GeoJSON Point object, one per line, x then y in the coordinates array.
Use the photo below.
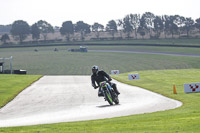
{"type": "Point", "coordinates": [107, 98]}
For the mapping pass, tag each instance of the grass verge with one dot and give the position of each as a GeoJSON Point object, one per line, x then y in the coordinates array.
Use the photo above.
{"type": "Point", "coordinates": [184, 119]}
{"type": "Point", "coordinates": [12, 85]}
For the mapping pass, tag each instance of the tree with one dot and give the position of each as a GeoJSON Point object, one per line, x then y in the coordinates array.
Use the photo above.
{"type": "Point", "coordinates": [96, 27]}
{"type": "Point", "coordinates": [111, 27]}
{"type": "Point", "coordinates": [5, 28]}
{"type": "Point", "coordinates": [120, 25]}
{"type": "Point", "coordinates": [188, 25]}
{"type": "Point", "coordinates": [4, 38]}
{"type": "Point", "coordinates": [20, 29]}
{"type": "Point", "coordinates": [197, 24]}
{"type": "Point", "coordinates": [165, 29]}
{"type": "Point", "coordinates": [148, 18]}
{"type": "Point", "coordinates": [127, 25]}
{"type": "Point", "coordinates": [35, 31]}
{"type": "Point", "coordinates": [67, 29]}
{"type": "Point", "coordinates": [135, 22]}
{"type": "Point", "coordinates": [179, 21]}
{"type": "Point", "coordinates": [83, 28]}
{"type": "Point", "coordinates": [45, 28]}
{"type": "Point", "coordinates": [142, 27]}
{"type": "Point", "coordinates": [170, 25]}
{"type": "Point", "coordinates": [158, 26]}
{"type": "Point", "coordinates": [141, 31]}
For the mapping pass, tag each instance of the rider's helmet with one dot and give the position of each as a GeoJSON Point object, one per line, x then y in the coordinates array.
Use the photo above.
{"type": "Point", "coordinates": [95, 69]}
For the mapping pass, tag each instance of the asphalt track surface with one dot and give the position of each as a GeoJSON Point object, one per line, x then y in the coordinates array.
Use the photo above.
{"type": "Point", "coordinates": [146, 52]}
{"type": "Point", "coordinates": [119, 51]}
{"type": "Point", "coordinates": [55, 99]}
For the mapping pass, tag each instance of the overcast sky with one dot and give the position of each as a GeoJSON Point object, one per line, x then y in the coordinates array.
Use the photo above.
{"type": "Point", "coordinates": [57, 11]}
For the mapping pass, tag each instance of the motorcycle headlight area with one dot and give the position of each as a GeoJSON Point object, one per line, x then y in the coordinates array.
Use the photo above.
{"type": "Point", "coordinates": [103, 83]}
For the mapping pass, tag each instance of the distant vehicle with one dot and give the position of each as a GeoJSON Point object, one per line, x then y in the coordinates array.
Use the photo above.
{"type": "Point", "coordinates": [82, 49]}
{"type": "Point", "coordinates": [55, 49]}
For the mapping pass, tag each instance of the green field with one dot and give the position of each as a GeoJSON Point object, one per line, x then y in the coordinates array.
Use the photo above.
{"type": "Point", "coordinates": [48, 62]}
{"type": "Point", "coordinates": [158, 73]}
{"type": "Point", "coordinates": [12, 85]}
{"type": "Point", "coordinates": [168, 41]}
{"type": "Point", "coordinates": [186, 50]}
{"type": "Point", "coordinates": [185, 119]}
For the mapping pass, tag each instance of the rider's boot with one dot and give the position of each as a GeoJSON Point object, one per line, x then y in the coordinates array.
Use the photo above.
{"type": "Point", "coordinates": [115, 89]}
{"type": "Point", "coordinates": [100, 93]}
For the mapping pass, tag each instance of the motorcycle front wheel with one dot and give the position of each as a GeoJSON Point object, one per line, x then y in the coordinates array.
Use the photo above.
{"type": "Point", "coordinates": [108, 98]}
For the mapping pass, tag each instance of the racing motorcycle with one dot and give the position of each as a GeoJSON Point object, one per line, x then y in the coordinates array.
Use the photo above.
{"type": "Point", "coordinates": [109, 93]}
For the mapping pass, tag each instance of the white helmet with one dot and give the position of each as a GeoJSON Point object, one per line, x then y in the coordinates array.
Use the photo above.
{"type": "Point", "coordinates": [95, 69]}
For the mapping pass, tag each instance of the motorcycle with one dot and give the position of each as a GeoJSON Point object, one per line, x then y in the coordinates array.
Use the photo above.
{"type": "Point", "coordinates": [109, 93]}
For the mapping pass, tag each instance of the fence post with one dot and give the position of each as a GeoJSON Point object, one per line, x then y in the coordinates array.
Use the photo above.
{"type": "Point", "coordinates": [11, 65]}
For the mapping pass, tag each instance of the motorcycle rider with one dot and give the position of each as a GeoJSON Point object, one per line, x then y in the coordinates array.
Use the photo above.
{"type": "Point", "coordinates": [99, 76]}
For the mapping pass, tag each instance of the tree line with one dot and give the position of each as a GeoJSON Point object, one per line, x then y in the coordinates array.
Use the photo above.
{"type": "Point", "coordinates": [145, 24]}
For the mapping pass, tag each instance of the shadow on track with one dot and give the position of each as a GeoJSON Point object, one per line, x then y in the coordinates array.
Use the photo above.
{"type": "Point", "coordinates": [105, 106]}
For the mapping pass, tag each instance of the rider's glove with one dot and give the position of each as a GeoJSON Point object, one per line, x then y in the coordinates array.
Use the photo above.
{"type": "Point", "coordinates": [109, 79]}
